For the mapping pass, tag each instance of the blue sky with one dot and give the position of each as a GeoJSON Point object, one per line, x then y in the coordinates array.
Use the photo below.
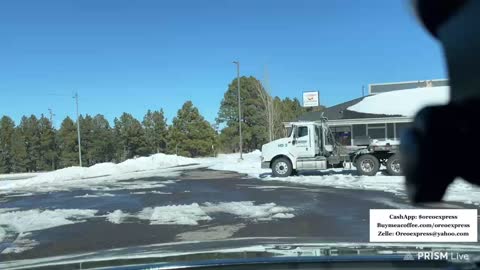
{"type": "Point", "coordinates": [136, 55]}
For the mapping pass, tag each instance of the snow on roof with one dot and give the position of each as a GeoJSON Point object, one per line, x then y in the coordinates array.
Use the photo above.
{"type": "Point", "coordinates": [403, 102]}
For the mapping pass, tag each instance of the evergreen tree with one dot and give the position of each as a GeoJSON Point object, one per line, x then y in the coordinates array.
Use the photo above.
{"type": "Point", "coordinates": [102, 144]}
{"type": "Point", "coordinates": [87, 137]}
{"type": "Point", "coordinates": [67, 143]}
{"type": "Point", "coordinates": [7, 130]}
{"type": "Point", "coordinates": [254, 120]}
{"type": "Point", "coordinates": [130, 137]}
{"type": "Point", "coordinates": [30, 132]}
{"type": "Point", "coordinates": [190, 134]}
{"type": "Point", "coordinates": [19, 152]}
{"type": "Point", "coordinates": [46, 145]}
{"type": "Point", "coordinates": [155, 126]}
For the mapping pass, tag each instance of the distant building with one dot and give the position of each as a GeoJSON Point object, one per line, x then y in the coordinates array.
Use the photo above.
{"type": "Point", "coordinates": [381, 115]}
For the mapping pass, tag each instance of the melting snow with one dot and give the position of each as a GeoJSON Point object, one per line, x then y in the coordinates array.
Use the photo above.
{"type": "Point", "coordinates": [191, 214]}
{"type": "Point", "coordinates": [403, 102]}
{"type": "Point", "coordinates": [27, 221]}
{"type": "Point", "coordinates": [96, 195]}
{"type": "Point", "coordinates": [174, 214]}
{"type": "Point", "coordinates": [36, 219]}
{"type": "Point", "coordinates": [2, 234]}
{"type": "Point", "coordinates": [248, 209]}
{"type": "Point", "coordinates": [116, 216]}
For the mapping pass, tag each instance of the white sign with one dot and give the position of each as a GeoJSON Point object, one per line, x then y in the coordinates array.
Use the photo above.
{"type": "Point", "coordinates": [310, 99]}
{"type": "Point", "coordinates": [423, 225]}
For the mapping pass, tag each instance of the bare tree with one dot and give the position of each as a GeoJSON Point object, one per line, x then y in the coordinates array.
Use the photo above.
{"type": "Point", "coordinates": [267, 101]}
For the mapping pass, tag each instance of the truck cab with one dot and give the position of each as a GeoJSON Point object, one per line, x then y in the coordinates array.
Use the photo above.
{"type": "Point", "coordinates": [306, 147]}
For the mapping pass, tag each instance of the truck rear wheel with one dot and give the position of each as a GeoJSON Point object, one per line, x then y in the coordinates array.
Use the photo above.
{"type": "Point", "coordinates": [367, 165]}
{"type": "Point", "coordinates": [393, 165]}
{"type": "Point", "coordinates": [282, 167]}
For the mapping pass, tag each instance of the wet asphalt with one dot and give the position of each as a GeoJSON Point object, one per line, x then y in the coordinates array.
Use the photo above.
{"type": "Point", "coordinates": [328, 214]}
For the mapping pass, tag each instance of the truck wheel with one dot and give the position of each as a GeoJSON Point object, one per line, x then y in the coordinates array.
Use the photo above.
{"type": "Point", "coordinates": [367, 165]}
{"type": "Point", "coordinates": [393, 165]}
{"type": "Point", "coordinates": [282, 167]}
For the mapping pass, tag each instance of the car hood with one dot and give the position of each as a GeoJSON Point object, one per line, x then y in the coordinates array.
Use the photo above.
{"type": "Point", "coordinates": [236, 250]}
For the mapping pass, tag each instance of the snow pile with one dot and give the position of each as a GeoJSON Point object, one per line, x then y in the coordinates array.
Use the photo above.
{"type": "Point", "coordinates": [100, 174]}
{"type": "Point", "coordinates": [403, 102]}
{"type": "Point", "coordinates": [116, 216]}
{"type": "Point", "coordinates": [231, 162]}
{"type": "Point", "coordinates": [153, 162]}
{"type": "Point", "coordinates": [174, 214]}
{"type": "Point", "coordinates": [248, 209]}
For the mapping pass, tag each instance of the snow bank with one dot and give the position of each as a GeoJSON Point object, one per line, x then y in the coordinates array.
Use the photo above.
{"type": "Point", "coordinates": [174, 214]}
{"type": "Point", "coordinates": [157, 161]}
{"type": "Point", "coordinates": [99, 174]}
{"type": "Point", "coordinates": [403, 102]}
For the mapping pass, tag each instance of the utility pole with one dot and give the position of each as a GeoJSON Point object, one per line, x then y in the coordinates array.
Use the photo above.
{"type": "Point", "coordinates": [78, 131]}
{"type": "Point", "coordinates": [239, 107]}
{"type": "Point", "coordinates": [363, 90]}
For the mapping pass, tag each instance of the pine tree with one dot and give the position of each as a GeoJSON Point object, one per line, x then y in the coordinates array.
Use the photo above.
{"type": "Point", "coordinates": [190, 134]}
{"type": "Point", "coordinates": [87, 138]}
{"type": "Point", "coordinates": [30, 132]}
{"type": "Point", "coordinates": [130, 137]}
{"type": "Point", "coordinates": [67, 143]}
{"type": "Point", "coordinates": [155, 126]}
{"type": "Point", "coordinates": [19, 152]}
{"type": "Point", "coordinates": [102, 144]}
{"type": "Point", "coordinates": [7, 129]}
{"type": "Point", "coordinates": [254, 120]}
{"type": "Point", "coordinates": [47, 145]}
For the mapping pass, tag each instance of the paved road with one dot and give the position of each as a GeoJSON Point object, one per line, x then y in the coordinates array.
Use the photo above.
{"type": "Point", "coordinates": [325, 213]}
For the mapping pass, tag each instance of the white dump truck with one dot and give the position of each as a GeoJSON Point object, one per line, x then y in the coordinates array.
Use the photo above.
{"type": "Point", "coordinates": [312, 146]}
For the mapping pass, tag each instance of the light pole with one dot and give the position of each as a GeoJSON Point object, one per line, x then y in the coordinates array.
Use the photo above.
{"type": "Point", "coordinates": [239, 108]}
